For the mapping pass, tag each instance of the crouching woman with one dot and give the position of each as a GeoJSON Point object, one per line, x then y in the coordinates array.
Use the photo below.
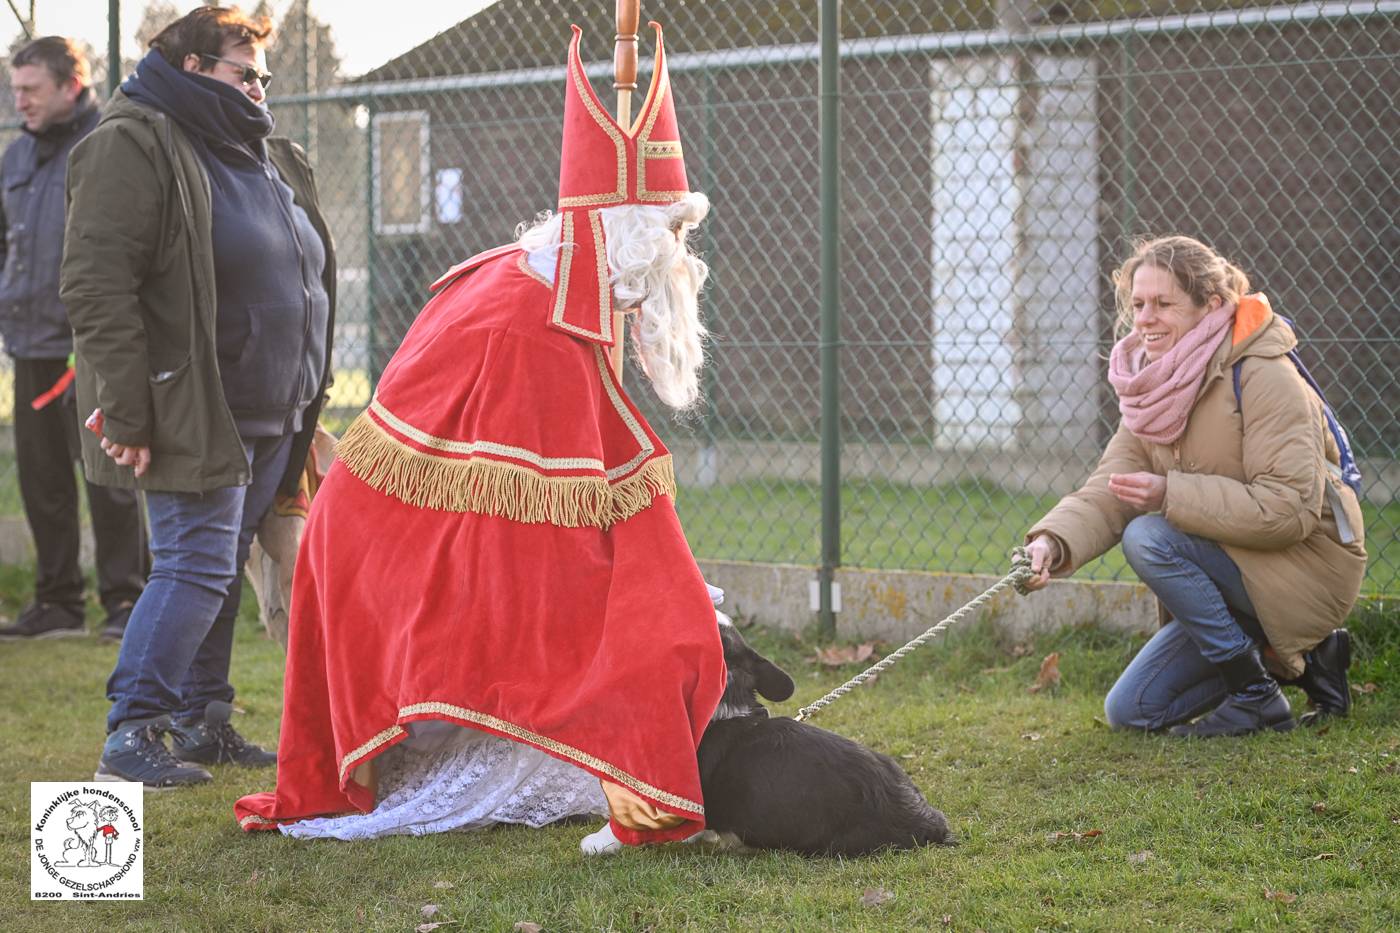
{"type": "Point", "coordinates": [1231, 509]}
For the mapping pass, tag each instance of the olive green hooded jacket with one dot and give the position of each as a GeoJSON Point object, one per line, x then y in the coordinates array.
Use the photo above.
{"type": "Point", "coordinates": [138, 282]}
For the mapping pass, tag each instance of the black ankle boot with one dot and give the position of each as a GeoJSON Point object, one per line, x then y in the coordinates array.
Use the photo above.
{"type": "Point", "coordinates": [1255, 703]}
{"type": "Point", "coordinates": [1324, 679]}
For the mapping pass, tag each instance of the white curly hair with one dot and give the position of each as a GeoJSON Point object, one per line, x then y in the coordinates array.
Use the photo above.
{"type": "Point", "coordinates": [654, 272]}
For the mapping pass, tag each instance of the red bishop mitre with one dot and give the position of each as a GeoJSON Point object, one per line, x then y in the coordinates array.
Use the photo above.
{"type": "Point", "coordinates": [603, 165]}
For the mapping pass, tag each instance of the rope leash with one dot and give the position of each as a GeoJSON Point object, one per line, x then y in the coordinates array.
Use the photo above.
{"type": "Point", "coordinates": [1018, 577]}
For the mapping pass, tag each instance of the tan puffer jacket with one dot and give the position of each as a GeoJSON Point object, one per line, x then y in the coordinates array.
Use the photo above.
{"type": "Point", "coordinates": [1253, 480]}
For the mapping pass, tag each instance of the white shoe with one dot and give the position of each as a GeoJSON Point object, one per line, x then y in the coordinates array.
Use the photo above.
{"type": "Point", "coordinates": [603, 842]}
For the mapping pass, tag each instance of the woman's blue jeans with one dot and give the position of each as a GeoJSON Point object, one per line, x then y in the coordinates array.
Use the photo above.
{"type": "Point", "coordinates": [174, 657]}
{"type": "Point", "coordinates": [1174, 677]}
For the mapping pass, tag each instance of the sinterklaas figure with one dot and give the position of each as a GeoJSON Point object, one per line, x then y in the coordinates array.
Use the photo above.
{"type": "Point", "coordinates": [496, 617]}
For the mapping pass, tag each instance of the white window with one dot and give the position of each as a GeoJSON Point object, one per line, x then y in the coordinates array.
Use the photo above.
{"type": "Point", "coordinates": [448, 195]}
{"type": "Point", "coordinates": [402, 175]}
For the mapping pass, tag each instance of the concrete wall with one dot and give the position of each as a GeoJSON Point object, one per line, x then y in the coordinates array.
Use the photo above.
{"type": "Point", "coordinates": [895, 606]}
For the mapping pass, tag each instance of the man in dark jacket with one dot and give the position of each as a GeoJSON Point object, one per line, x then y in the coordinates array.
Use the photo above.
{"type": "Point", "coordinates": [53, 95]}
{"type": "Point", "coordinates": [199, 277]}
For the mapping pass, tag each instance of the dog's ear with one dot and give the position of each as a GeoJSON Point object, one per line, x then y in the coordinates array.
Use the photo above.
{"type": "Point", "coordinates": [771, 681]}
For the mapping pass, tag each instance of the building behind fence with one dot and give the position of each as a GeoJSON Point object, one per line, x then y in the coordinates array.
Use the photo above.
{"type": "Point", "coordinates": [996, 166]}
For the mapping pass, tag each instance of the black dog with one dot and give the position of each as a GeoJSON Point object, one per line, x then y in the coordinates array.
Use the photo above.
{"type": "Point", "coordinates": [782, 784]}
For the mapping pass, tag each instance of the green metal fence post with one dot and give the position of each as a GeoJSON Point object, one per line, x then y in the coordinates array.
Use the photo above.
{"type": "Point", "coordinates": [831, 312]}
{"type": "Point", "coordinates": [371, 318]}
{"type": "Point", "coordinates": [1127, 179]}
{"type": "Point", "coordinates": [114, 45]}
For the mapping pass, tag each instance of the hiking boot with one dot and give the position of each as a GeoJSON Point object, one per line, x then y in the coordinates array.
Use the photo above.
{"type": "Point", "coordinates": [45, 620]}
{"type": "Point", "coordinates": [1324, 679]}
{"type": "Point", "coordinates": [114, 627]}
{"type": "Point", "coordinates": [213, 741]}
{"type": "Point", "coordinates": [1255, 703]}
{"type": "Point", "coordinates": [136, 752]}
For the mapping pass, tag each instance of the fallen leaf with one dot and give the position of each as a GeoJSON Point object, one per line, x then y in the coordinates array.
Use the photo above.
{"type": "Point", "coordinates": [429, 911]}
{"type": "Point", "coordinates": [1352, 770]}
{"type": "Point", "coordinates": [1088, 834]}
{"type": "Point", "coordinates": [1020, 651]}
{"type": "Point", "coordinates": [947, 920]}
{"type": "Point", "coordinates": [442, 885]}
{"type": "Point", "coordinates": [1319, 807]}
{"type": "Point", "coordinates": [907, 757]}
{"type": "Point", "coordinates": [874, 897]}
{"type": "Point", "coordinates": [427, 927]}
{"type": "Point", "coordinates": [1049, 676]}
{"type": "Point", "coordinates": [1033, 736]}
{"type": "Point", "coordinates": [1283, 897]}
{"type": "Point", "coordinates": [1322, 856]}
{"type": "Point", "coordinates": [1367, 687]}
{"type": "Point", "coordinates": [1048, 901]}
{"type": "Point", "coordinates": [839, 655]}
{"type": "Point", "coordinates": [525, 926]}
{"type": "Point", "coordinates": [1138, 858]}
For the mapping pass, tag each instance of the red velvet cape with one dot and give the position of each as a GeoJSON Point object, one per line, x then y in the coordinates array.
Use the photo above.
{"type": "Point", "coordinates": [498, 548]}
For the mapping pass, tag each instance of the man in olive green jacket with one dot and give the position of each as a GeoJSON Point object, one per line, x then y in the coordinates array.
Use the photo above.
{"type": "Point", "coordinates": [199, 278]}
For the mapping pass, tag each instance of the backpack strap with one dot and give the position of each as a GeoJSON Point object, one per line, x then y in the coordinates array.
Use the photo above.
{"type": "Point", "coordinates": [1349, 472]}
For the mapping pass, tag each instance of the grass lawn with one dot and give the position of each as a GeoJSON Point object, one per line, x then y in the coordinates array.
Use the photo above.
{"type": "Point", "coordinates": [954, 528]}
{"type": "Point", "coordinates": [1297, 831]}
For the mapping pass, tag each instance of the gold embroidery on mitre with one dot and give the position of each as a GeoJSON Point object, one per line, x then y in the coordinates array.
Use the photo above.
{"type": "Point", "coordinates": [491, 487]}
{"type": "Point", "coordinates": [559, 749]}
{"type": "Point", "coordinates": [566, 264]}
{"type": "Point", "coordinates": [662, 149]}
{"type": "Point", "coordinates": [644, 141]}
{"type": "Point", "coordinates": [585, 93]}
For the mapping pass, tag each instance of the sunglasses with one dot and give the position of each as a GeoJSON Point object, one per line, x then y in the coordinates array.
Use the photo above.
{"type": "Point", "coordinates": [250, 74]}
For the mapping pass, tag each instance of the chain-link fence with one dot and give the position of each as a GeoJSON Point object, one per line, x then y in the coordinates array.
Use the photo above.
{"type": "Point", "coordinates": [997, 161]}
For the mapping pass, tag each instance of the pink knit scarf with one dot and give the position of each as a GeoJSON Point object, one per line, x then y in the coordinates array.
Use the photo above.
{"type": "Point", "coordinates": [1155, 398]}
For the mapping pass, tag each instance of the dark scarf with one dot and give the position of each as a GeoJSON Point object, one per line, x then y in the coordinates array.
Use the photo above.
{"type": "Point", "coordinates": [52, 138]}
{"type": "Point", "coordinates": [221, 120]}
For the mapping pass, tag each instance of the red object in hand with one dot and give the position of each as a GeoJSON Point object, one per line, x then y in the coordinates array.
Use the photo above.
{"type": "Point", "coordinates": [94, 422]}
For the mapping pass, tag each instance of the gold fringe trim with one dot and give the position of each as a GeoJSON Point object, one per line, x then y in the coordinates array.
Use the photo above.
{"type": "Point", "coordinates": [490, 487]}
{"type": "Point", "coordinates": [439, 710]}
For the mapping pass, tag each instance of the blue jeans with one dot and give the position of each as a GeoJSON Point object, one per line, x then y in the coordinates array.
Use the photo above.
{"type": "Point", "coordinates": [175, 654]}
{"type": "Point", "coordinates": [1174, 677]}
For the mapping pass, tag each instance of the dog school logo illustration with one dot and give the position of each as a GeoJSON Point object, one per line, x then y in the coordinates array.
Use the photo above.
{"type": "Point", "coordinates": [85, 841]}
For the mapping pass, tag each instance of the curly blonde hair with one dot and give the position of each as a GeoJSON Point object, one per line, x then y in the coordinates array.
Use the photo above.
{"type": "Point", "coordinates": [1200, 271]}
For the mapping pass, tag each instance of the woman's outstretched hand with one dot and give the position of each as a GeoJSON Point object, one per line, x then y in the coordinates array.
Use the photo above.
{"type": "Point", "coordinates": [1044, 554]}
{"type": "Point", "coordinates": [1145, 491]}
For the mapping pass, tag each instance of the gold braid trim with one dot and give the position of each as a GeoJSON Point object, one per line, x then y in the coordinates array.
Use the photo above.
{"type": "Point", "coordinates": [491, 487]}
{"type": "Point", "coordinates": [559, 749]}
